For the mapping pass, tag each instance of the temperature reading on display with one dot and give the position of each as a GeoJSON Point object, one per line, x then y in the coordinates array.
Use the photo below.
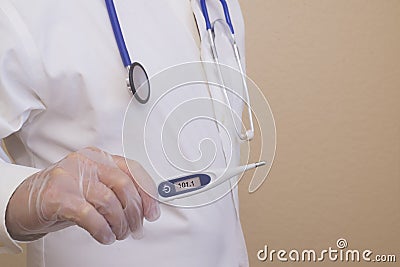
{"type": "Point", "coordinates": [187, 184]}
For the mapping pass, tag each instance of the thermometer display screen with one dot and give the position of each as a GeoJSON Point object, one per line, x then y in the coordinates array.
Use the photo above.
{"type": "Point", "coordinates": [187, 184]}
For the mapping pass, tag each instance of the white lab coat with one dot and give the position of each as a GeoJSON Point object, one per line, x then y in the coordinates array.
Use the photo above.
{"type": "Point", "coordinates": [62, 88]}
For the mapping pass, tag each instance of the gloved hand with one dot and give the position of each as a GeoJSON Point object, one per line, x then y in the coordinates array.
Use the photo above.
{"type": "Point", "coordinates": [89, 188]}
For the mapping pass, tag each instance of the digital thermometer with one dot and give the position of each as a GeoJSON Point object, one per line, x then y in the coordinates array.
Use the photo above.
{"type": "Point", "coordinates": [193, 184]}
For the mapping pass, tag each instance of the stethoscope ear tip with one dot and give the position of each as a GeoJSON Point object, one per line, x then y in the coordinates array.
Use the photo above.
{"type": "Point", "coordinates": [248, 136]}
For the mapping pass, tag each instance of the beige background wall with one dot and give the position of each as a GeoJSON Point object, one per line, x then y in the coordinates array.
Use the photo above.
{"type": "Point", "coordinates": [331, 72]}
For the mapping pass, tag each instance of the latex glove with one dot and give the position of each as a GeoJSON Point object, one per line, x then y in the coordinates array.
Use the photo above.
{"type": "Point", "coordinates": [88, 188]}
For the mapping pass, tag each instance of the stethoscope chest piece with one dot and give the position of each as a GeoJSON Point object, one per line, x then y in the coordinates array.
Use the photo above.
{"type": "Point", "coordinates": [138, 82]}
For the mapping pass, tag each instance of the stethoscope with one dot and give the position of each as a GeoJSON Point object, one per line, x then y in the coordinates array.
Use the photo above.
{"type": "Point", "coordinates": [139, 85]}
{"type": "Point", "coordinates": [138, 80]}
{"type": "Point", "coordinates": [248, 134]}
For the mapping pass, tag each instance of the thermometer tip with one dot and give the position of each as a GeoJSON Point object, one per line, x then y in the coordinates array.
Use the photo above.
{"type": "Point", "coordinates": [261, 163]}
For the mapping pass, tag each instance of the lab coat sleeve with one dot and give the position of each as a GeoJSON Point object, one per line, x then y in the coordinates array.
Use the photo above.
{"type": "Point", "coordinates": [18, 102]}
{"type": "Point", "coordinates": [10, 178]}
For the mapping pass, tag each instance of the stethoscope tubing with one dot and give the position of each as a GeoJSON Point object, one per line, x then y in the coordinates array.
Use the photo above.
{"type": "Point", "coordinates": [249, 134]}
{"type": "Point", "coordinates": [119, 38]}
{"type": "Point", "coordinates": [203, 4]}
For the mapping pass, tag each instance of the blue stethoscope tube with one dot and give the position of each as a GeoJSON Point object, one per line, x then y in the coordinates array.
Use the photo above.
{"type": "Point", "coordinates": [226, 12]}
{"type": "Point", "coordinates": [136, 71]}
{"type": "Point", "coordinates": [119, 38]}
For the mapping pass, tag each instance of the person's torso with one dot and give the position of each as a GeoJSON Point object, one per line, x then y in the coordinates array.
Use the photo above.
{"type": "Point", "coordinates": [81, 81]}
